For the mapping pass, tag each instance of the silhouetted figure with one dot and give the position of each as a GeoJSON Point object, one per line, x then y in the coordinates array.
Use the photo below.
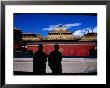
{"type": "Point", "coordinates": [39, 61]}
{"type": "Point", "coordinates": [91, 52]}
{"type": "Point", "coordinates": [95, 52]}
{"type": "Point", "coordinates": [54, 61]}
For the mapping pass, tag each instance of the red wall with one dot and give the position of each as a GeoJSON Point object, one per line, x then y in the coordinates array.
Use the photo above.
{"type": "Point", "coordinates": [66, 49]}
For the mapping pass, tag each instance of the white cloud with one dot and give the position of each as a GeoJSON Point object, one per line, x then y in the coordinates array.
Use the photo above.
{"type": "Point", "coordinates": [47, 29]}
{"type": "Point", "coordinates": [88, 28]}
{"type": "Point", "coordinates": [95, 30]}
{"type": "Point", "coordinates": [78, 33]}
{"type": "Point", "coordinates": [72, 25]}
{"type": "Point", "coordinates": [52, 27]}
{"type": "Point", "coordinates": [81, 32]}
{"type": "Point", "coordinates": [85, 31]}
{"type": "Point", "coordinates": [90, 31]}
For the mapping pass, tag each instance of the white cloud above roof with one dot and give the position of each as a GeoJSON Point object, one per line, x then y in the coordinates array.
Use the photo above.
{"type": "Point", "coordinates": [72, 25]}
{"type": "Point", "coordinates": [85, 31]}
{"type": "Point", "coordinates": [52, 27]}
{"type": "Point", "coordinates": [95, 30]}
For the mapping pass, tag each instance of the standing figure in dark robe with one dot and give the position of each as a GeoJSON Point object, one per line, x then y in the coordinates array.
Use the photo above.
{"type": "Point", "coordinates": [39, 61]}
{"type": "Point", "coordinates": [54, 61]}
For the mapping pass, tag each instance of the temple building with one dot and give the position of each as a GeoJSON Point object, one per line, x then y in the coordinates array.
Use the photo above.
{"type": "Point", "coordinates": [89, 37]}
{"type": "Point", "coordinates": [83, 47]}
{"type": "Point", "coordinates": [31, 37]}
{"type": "Point", "coordinates": [60, 33]}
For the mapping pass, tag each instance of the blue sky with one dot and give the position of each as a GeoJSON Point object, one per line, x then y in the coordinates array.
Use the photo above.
{"type": "Point", "coordinates": [42, 23]}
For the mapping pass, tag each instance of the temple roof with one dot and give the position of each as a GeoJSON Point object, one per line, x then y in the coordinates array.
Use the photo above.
{"type": "Point", "coordinates": [89, 37]}
{"type": "Point", "coordinates": [31, 34]}
{"type": "Point", "coordinates": [28, 34]}
{"type": "Point", "coordinates": [91, 34]}
{"type": "Point", "coordinates": [60, 31]}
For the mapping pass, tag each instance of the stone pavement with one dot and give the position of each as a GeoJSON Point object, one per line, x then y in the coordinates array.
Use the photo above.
{"type": "Point", "coordinates": [73, 65]}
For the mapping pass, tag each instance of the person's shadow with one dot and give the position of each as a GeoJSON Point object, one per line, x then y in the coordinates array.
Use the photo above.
{"type": "Point", "coordinates": [39, 61]}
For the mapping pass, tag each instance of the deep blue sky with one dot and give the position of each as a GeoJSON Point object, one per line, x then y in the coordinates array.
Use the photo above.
{"type": "Point", "coordinates": [40, 23]}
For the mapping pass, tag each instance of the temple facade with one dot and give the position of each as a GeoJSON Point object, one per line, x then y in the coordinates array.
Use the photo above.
{"type": "Point", "coordinates": [31, 37]}
{"type": "Point", "coordinates": [60, 33]}
{"type": "Point", "coordinates": [81, 48]}
{"type": "Point", "coordinates": [89, 37]}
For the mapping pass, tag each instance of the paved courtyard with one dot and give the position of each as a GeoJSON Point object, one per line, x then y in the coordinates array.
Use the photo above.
{"type": "Point", "coordinates": [69, 65]}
